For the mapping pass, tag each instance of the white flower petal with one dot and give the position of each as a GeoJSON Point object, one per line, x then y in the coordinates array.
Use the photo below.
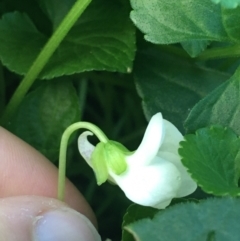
{"type": "Point", "coordinates": [188, 185]}
{"type": "Point", "coordinates": [171, 139]}
{"type": "Point", "coordinates": [151, 142]}
{"type": "Point", "coordinates": [154, 185]}
{"type": "Point", "coordinates": [85, 147]}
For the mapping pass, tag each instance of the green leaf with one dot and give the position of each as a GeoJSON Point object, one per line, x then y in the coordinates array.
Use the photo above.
{"type": "Point", "coordinates": [20, 41]}
{"type": "Point", "coordinates": [222, 106]}
{"type": "Point", "coordinates": [211, 157]}
{"type": "Point", "coordinates": [228, 3]}
{"type": "Point", "coordinates": [230, 19]}
{"type": "Point", "coordinates": [134, 213]}
{"type": "Point", "coordinates": [172, 85]}
{"type": "Point", "coordinates": [195, 47]}
{"type": "Point", "coordinates": [171, 21]}
{"type": "Point", "coordinates": [102, 39]}
{"type": "Point", "coordinates": [212, 219]}
{"type": "Point", "coordinates": [30, 8]}
{"type": "Point", "coordinates": [44, 115]}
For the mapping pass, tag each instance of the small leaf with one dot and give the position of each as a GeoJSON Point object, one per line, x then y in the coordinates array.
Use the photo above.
{"type": "Point", "coordinates": [134, 213]}
{"type": "Point", "coordinates": [171, 21]}
{"type": "Point", "coordinates": [212, 219]}
{"type": "Point", "coordinates": [212, 157]}
{"type": "Point", "coordinates": [44, 115]}
{"type": "Point", "coordinates": [228, 3]}
{"type": "Point", "coordinates": [172, 89]}
{"type": "Point", "coordinates": [222, 106]}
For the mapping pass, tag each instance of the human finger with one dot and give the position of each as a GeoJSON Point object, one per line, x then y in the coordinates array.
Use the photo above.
{"type": "Point", "coordinates": [33, 218]}
{"type": "Point", "coordinates": [24, 171]}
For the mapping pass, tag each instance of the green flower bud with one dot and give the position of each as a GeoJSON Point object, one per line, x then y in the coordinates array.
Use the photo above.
{"type": "Point", "coordinates": [108, 156]}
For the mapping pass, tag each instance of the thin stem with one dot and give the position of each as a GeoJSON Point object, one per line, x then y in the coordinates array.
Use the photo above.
{"type": "Point", "coordinates": [218, 53]}
{"type": "Point", "coordinates": [42, 59]}
{"type": "Point", "coordinates": [63, 151]}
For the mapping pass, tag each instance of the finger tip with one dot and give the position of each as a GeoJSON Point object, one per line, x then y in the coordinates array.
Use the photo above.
{"type": "Point", "coordinates": [25, 171]}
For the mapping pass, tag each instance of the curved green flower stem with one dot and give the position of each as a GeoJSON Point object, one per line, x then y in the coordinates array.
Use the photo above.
{"type": "Point", "coordinates": [42, 59]}
{"type": "Point", "coordinates": [218, 53]}
{"type": "Point", "coordinates": [63, 150]}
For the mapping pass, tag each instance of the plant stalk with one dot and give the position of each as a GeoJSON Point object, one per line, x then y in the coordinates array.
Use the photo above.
{"type": "Point", "coordinates": [44, 56]}
{"type": "Point", "coordinates": [63, 151]}
{"type": "Point", "coordinates": [218, 53]}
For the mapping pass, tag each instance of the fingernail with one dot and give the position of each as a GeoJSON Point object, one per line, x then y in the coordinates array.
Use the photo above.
{"type": "Point", "coordinates": [64, 224]}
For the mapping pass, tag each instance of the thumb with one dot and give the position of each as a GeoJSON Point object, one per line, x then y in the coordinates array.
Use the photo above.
{"type": "Point", "coordinates": [33, 218]}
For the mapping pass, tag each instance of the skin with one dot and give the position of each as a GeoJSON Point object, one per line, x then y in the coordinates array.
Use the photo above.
{"type": "Point", "coordinates": [27, 178]}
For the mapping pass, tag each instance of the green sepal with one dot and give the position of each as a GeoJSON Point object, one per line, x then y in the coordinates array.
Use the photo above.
{"type": "Point", "coordinates": [108, 156]}
{"type": "Point", "coordinates": [98, 160]}
{"type": "Point", "coordinates": [115, 154]}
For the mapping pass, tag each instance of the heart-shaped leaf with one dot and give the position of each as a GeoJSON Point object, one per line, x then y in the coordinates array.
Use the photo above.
{"type": "Point", "coordinates": [212, 158]}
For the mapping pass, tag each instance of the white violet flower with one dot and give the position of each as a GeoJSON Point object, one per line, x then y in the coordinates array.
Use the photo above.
{"type": "Point", "coordinates": [152, 175]}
